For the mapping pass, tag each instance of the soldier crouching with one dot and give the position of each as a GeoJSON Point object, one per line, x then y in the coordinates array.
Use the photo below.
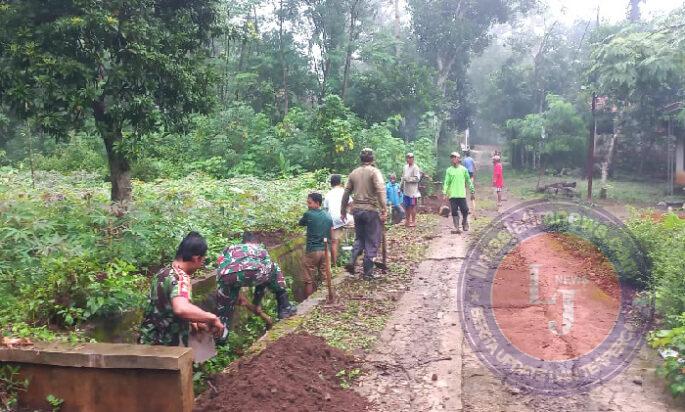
{"type": "Point", "coordinates": [249, 264]}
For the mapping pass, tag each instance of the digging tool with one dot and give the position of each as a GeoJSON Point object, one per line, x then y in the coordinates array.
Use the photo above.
{"type": "Point", "coordinates": [329, 284]}
{"type": "Point", "coordinates": [242, 301]}
{"type": "Point", "coordinates": [473, 206]}
{"type": "Point", "coordinates": [383, 265]}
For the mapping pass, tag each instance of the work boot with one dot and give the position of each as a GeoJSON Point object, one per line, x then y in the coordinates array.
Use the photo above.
{"type": "Point", "coordinates": [457, 228]}
{"type": "Point", "coordinates": [349, 267]}
{"type": "Point", "coordinates": [368, 269]}
{"type": "Point", "coordinates": [465, 225]}
{"type": "Point", "coordinates": [285, 309]}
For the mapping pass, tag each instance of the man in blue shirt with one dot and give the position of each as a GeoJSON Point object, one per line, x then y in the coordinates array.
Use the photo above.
{"type": "Point", "coordinates": [393, 193]}
{"type": "Point", "coordinates": [469, 164]}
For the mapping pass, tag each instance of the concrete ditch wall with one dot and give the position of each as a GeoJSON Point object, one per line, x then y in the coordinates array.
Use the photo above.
{"type": "Point", "coordinates": [123, 328]}
{"type": "Point", "coordinates": [103, 377]}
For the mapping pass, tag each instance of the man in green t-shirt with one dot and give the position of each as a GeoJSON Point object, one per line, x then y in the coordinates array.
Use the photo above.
{"type": "Point", "coordinates": [319, 227]}
{"type": "Point", "coordinates": [454, 188]}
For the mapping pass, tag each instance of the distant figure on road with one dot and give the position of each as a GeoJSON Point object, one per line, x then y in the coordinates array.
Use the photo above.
{"type": "Point", "coordinates": [331, 203]}
{"type": "Point", "coordinates": [454, 188]}
{"type": "Point", "coordinates": [319, 227]}
{"type": "Point", "coordinates": [497, 178]}
{"type": "Point", "coordinates": [394, 194]}
{"type": "Point", "coordinates": [370, 211]}
{"type": "Point", "coordinates": [169, 314]}
{"type": "Point", "coordinates": [469, 164]}
{"type": "Point", "coordinates": [409, 185]}
{"type": "Point", "coordinates": [249, 264]}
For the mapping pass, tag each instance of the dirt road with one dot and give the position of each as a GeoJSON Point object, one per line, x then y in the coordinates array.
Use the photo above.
{"type": "Point", "coordinates": [423, 363]}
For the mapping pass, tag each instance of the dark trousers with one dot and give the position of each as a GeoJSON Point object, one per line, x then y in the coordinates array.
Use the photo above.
{"type": "Point", "coordinates": [368, 231]}
{"type": "Point", "coordinates": [459, 204]}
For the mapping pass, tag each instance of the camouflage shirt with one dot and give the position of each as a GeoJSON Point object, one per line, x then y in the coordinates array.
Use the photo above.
{"type": "Point", "coordinates": [160, 325]}
{"type": "Point", "coordinates": [243, 258]}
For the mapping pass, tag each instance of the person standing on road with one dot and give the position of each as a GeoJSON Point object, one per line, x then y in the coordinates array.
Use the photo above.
{"type": "Point", "coordinates": [497, 178]}
{"type": "Point", "coordinates": [411, 176]}
{"type": "Point", "coordinates": [454, 188]}
{"type": "Point", "coordinates": [370, 211]}
{"type": "Point", "coordinates": [331, 203]}
{"type": "Point", "coordinates": [470, 165]}
{"type": "Point", "coordinates": [393, 195]}
{"type": "Point", "coordinates": [319, 227]}
{"type": "Point", "coordinates": [169, 314]}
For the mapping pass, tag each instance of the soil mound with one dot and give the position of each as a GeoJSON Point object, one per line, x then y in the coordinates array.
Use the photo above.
{"type": "Point", "coordinates": [295, 373]}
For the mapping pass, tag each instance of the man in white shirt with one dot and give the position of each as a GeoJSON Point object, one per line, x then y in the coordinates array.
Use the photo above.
{"type": "Point", "coordinates": [411, 176]}
{"type": "Point", "coordinates": [332, 203]}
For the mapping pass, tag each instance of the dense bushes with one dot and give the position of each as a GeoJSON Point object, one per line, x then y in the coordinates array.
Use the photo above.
{"type": "Point", "coordinates": [238, 141]}
{"type": "Point", "coordinates": [663, 240]}
{"type": "Point", "coordinates": [73, 255]}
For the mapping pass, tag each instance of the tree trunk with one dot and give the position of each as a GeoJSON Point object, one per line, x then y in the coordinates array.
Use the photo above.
{"type": "Point", "coordinates": [286, 101]}
{"type": "Point", "coordinates": [119, 167]}
{"type": "Point", "coordinates": [397, 28]}
{"type": "Point", "coordinates": [606, 163]}
{"type": "Point", "coordinates": [350, 43]}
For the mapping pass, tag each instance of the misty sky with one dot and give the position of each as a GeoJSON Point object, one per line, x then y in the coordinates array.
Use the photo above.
{"type": "Point", "coordinates": [613, 10]}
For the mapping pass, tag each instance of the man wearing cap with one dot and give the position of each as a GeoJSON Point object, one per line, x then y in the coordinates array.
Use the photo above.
{"type": "Point", "coordinates": [454, 188]}
{"type": "Point", "coordinates": [411, 176]}
{"type": "Point", "coordinates": [366, 183]}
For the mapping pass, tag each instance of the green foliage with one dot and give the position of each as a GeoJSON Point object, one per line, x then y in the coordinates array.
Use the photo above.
{"type": "Point", "coordinates": [663, 240]}
{"type": "Point", "coordinates": [558, 133]}
{"type": "Point", "coordinates": [55, 402]}
{"type": "Point", "coordinates": [75, 257]}
{"type": "Point", "coordinates": [128, 66]}
{"type": "Point", "coordinates": [671, 342]}
{"type": "Point", "coordinates": [10, 385]}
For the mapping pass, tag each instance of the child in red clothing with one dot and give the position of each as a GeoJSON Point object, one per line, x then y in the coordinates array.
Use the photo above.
{"type": "Point", "coordinates": [497, 179]}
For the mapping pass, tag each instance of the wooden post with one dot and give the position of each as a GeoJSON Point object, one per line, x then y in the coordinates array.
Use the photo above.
{"type": "Point", "coordinates": [591, 148]}
{"type": "Point", "coordinates": [328, 271]}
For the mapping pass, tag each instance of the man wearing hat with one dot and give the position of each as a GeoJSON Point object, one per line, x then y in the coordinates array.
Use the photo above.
{"type": "Point", "coordinates": [367, 185]}
{"type": "Point", "coordinates": [411, 176]}
{"type": "Point", "coordinates": [454, 188]}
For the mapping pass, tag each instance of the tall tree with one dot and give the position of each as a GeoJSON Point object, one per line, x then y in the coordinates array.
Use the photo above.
{"type": "Point", "coordinates": [449, 31]}
{"type": "Point", "coordinates": [130, 65]}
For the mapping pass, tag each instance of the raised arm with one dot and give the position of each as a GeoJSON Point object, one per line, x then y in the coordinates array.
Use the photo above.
{"type": "Point", "coordinates": [467, 177]}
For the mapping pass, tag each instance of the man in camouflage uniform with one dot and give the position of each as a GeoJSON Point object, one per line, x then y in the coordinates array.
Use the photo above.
{"type": "Point", "coordinates": [249, 264]}
{"type": "Point", "coordinates": [169, 314]}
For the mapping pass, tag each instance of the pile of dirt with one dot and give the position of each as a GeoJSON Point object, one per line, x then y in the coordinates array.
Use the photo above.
{"type": "Point", "coordinates": [296, 373]}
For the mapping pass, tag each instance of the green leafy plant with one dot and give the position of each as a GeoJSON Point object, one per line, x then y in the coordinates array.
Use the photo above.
{"type": "Point", "coordinates": [10, 385]}
{"type": "Point", "coordinates": [55, 402]}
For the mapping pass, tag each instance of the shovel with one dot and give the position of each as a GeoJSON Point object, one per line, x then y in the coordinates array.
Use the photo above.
{"type": "Point", "coordinates": [329, 284]}
{"type": "Point", "coordinates": [242, 301]}
{"type": "Point", "coordinates": [473, 206]}
{"type": "Point", "coordinates": [383, 265]}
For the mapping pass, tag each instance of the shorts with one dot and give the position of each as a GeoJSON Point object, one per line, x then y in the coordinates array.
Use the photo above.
{"type": "Point", "coordinates": [498, 189]}
{"type": "Point", "coordinates": [338, 233]}
{"type": "Point", "coordinates": [471, 175]}
{"type": "Point", "coordinates": [409, 201]}
{"type": "Point", "coordinates": [313, 262]}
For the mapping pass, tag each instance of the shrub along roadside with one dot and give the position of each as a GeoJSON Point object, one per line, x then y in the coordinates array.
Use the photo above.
{"type": "Point", "coordinates": [663, 239]}
{"type": "Point", "coordinates": [70, 255]}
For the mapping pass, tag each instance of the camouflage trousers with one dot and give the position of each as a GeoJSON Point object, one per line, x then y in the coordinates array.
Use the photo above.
{"type": "Point", "coordinates": [229, 285]}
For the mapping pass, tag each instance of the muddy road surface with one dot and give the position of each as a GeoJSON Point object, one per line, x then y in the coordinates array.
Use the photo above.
{"type": "Point", "coordinates": [423, 362]}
